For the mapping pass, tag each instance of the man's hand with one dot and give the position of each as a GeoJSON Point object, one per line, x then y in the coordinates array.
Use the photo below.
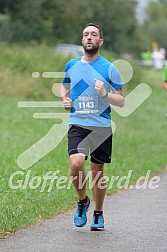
{"type": "Point", "coordinates": [67, 103]}
{"type": "Point", "coordinates": [99, 86]}
{"type": "Point", "coordinates": [115, 98]}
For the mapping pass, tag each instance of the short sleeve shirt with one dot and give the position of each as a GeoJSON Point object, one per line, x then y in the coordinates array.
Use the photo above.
{"type": "Point", "coordinates": [88, 108]}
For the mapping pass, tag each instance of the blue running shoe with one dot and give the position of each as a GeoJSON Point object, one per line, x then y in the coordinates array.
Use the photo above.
{"type": "Point", "coordinates": [97, 222]}
{"type": "Point", "coordinates": [80, 218]}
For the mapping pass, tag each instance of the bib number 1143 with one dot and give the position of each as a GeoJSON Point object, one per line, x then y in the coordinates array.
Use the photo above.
{"type": "Point", "coordinates": [86, 105]}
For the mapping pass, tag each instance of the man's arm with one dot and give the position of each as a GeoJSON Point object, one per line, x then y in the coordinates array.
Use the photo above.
{"type": "Point", "coordinates": [65, 96]}
{"type": "Point", "coordinates": [165, 85]}
{"type": "Point", "coordinates": [115, 98]}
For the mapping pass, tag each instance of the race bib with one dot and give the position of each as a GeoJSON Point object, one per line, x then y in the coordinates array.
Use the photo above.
{"type": "Point", "coordinates": [86, 104]}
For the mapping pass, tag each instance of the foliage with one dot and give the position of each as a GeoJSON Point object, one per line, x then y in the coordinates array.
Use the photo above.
{"type": "Point", "coordinates": [62, 21]}
{"type": "Point", "coordinates": [17, 65]}
{"type": "Point", "coordinates": [55, 21]}
{"type": "Point", "coordinates": [155, 24]}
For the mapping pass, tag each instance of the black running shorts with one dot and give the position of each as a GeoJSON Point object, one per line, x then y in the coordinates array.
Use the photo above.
{"type": "Point", "coordinates": [96, 141]}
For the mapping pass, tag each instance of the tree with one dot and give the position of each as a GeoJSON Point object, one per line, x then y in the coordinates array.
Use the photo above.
{"type": "Point", "coordinates": [155, 24]}
{"type": "Point", "coordinates": [63, 21]}
{"type": "Point", "coordinates": [118, 24]}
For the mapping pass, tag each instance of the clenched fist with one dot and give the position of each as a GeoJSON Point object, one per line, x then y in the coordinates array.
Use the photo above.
{"type": "Point", "coordinates": [67, 103]}
{"type": "Point", "coordinates": [99, 86]}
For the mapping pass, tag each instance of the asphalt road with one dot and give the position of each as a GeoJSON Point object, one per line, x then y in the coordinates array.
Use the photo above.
{"type": "Point", "coordinates": [136, 220]}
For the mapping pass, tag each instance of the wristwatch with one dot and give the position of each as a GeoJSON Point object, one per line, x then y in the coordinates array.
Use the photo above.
{"type": "Point", "coordinates": [105, 96]}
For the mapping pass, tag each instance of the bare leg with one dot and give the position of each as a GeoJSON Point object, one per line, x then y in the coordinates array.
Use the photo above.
{"type": "Point", "coordinates": [98, 193]}
{"type": "Point", "coordinates": [76, 170]}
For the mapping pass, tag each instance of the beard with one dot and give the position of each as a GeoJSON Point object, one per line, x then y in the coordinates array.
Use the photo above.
{"type": "Point", "coordinates": [91, 50]}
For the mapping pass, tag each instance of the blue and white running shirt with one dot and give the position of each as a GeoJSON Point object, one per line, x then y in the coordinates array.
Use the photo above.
{"type": "Point", "coordinates": [88, 108]}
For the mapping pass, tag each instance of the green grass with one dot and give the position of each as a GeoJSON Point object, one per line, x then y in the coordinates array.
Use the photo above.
{"type": "Point", "coordinates": [17, 65]}
{"type": "Point", "coordinates": [138, 142]}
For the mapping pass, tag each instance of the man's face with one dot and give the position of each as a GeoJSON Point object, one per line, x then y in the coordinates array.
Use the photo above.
{"type": "Point", "coordinates": [91, 40]}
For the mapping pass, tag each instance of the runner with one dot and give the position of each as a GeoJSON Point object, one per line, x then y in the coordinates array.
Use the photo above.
{"type": "Point", "coordinates": [90, 85]}
{"type": "Point", "coordinates": [165, 77]}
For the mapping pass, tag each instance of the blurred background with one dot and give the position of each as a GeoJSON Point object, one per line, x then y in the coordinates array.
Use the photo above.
{"type": "Point", "coordinates": [130, 26]}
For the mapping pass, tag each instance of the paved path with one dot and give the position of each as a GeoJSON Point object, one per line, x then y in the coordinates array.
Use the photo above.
{"type": "Point", "coordinates": [136, 220]}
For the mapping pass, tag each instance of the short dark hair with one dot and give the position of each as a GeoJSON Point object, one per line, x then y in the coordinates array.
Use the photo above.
{"type": "Point", "coordinates": [97, 26]}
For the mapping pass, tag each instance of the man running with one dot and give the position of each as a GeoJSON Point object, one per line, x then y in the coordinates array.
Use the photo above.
{"type": "Point", "coordinates": [90, 85]}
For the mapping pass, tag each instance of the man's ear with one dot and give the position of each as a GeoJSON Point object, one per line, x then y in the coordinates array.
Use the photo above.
{"type": "Point", "coordinates": [101, 42]}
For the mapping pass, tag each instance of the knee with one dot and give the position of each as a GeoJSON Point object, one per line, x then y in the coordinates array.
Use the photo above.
{"type": "Point", "coordinates": [76, 165]}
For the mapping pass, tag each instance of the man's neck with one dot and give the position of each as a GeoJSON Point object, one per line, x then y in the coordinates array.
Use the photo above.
{"type": "Point", "coordinates": [89, 57]}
